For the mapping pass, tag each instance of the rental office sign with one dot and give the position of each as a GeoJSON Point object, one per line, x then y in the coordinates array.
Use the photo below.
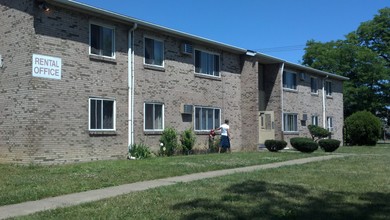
{"type": "Point", "coordinates": [46, 66]}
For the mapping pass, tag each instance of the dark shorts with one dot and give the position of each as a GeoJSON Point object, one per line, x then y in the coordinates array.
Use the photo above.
{"type": "Point", "coordinates": [225, 142]}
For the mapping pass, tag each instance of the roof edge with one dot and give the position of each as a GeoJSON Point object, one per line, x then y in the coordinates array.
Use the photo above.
{"type": "Point", "coordinates": [127, 19]}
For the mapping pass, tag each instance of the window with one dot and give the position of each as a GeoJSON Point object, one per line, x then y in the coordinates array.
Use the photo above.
{"type": "Point", "coordinates": [101, 114]}
{"type": "Point", "coordinates": [206, 63]}
{"type": "Point", "coordinates": [154, 117]}
{"type": "Point", "coordinates": [328, 88]}
{"type": "Point", "coordinates": [102, 41]}
{"type": "Point", "coordinates": [290, 122]}
{"type": "Point", "coordinates": [207, 118]}
{"type": "Point", "coordinates": [154, 52]}
{"type": "Point", "coordinates": [314, 85]}
{"type": "Point", "coordinates": [314, 120]}
{"type": "Point", "coordinates": [329, 123]}
{"type": "Point", "coordinates": [289, 80]}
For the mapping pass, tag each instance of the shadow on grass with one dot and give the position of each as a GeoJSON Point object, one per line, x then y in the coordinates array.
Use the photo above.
{"type": "Point", "coordinates": [262, 200]}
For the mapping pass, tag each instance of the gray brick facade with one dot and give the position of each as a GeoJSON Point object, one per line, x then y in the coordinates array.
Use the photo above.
{"type": "Point", "coordinates": [47, 120]}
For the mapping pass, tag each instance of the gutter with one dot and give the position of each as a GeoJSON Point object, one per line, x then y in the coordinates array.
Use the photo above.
{"type": "Point", "coordinates": [130, 58]}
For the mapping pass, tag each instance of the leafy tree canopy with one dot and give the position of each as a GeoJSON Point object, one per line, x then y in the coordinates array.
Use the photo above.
{"type": "Point", "coordinates": [364, 57]}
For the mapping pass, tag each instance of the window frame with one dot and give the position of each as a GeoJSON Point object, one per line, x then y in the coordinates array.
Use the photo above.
{"type": "Point", "coordinates": [154, 112]}
{"type": "Point", "coordinates": [328, 88]}
{"type": "Point", "coordinates": [113, 43]}
{"type": "Point", "coordinates": [329, 123]}
{"type": "Point", "coordinates": [207, 128]}
{"type": "Point", "coordinates": [102, 114]}
{"type": "Point", "coordinates": [294, 85]}
{"type": "Point", "coordinates": [314, 120]}
{"type": "Point", "coordinates": [315, 80]}
{"type": "Point", "coordinates": [286, 125]}
{"type": "Point", "coordinates": [162, 52]}
{"type": "Point", "coordinates": [208, 53]}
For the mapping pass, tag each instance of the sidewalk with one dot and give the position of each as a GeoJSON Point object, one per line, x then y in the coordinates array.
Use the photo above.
{"type": "Point", "coordinates": [30, 207]}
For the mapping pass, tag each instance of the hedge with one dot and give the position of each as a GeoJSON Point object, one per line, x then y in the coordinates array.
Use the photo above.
{"type": "Point", "coordinates": [305, 145]}
{"type": "Point", "coordinates": [275, 145]}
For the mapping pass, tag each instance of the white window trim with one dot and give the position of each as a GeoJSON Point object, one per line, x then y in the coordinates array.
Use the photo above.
{"type": "Point", "coordinates": [163, 115]}
{"type": "Point", "coordinates": [208, 107]}
{"type": "Point", "coordinates": [212, 53]}
{"type": "Point", "coordinates": [113, 40]}
{"type": "Point", "coordinates": [163, 52]}
{"type": "Point", "coordinates": [285, 124]}
{"type": "Point", "coordinates": [296, 81]}
{"type": "Point", "coordinates": [316, 80]}
{"type": "Point", "coordinates": [89, 113]}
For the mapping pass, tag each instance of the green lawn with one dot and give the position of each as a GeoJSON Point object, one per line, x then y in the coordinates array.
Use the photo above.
{"type": "Point", "coordinates": [25, 183]}
{"type": "Point", "coordinates": [353, 187]}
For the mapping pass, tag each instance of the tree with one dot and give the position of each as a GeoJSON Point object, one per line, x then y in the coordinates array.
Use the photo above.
{"type": "Point", "coordinates": [363, 128]}
{"type": "Point", "coordinates": [363, 57]}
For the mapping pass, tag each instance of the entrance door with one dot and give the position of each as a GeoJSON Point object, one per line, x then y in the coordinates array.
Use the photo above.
{"type": "Point", "coordinates": [266, 127]}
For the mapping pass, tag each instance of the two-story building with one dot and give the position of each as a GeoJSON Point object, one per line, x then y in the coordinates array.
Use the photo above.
{"type": "Point", "coordinates": [78, 83]}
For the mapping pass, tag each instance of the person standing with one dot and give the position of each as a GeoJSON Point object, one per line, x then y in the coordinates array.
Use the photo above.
{"type": "Point", "coordinates": [225, 136]}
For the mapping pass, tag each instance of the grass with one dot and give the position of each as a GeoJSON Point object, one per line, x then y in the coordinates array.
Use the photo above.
{"type": "Point", "coordinates": [353, 187]}
{"type": "Point", "coordinates": [34, 182]}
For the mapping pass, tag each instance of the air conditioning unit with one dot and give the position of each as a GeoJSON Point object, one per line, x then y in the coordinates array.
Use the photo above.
{"type": "Point", "coordinates": [187, 49]}
{"type": "Point", "coordinates": [186, 109]}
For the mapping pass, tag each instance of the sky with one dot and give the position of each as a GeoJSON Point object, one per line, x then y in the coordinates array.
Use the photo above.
{"type": "Point", "coordinates": [278, 28]}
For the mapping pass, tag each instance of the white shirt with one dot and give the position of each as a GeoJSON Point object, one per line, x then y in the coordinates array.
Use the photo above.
{"type": "Point", "coordinates": [224, 129]}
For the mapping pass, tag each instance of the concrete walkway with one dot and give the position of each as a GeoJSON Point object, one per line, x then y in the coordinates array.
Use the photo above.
{"type": "Point", "coordinates": [27, 208]}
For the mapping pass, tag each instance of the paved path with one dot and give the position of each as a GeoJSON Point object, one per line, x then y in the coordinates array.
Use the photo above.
{"type": "Point", "coordinates": [27, 208]}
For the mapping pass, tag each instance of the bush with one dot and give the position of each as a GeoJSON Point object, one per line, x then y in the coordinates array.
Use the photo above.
{"type": "Point", "coordinates": [187, 140]}
{"type": "Point", "coordinates": [139, 151]}
{"type": "Point", "coordinates": [317, 132]}
{"type": "Point", "coordinates": [305, 145]}
{"type": "Point", "coordinates": [168, 142]}
{"type": "Point", "coordinates": [363, 128]}
{"type": "Point", "coordinates": [275, 145]}
{"type": "Point", "coordinates": [214, 144]}
{"type": "Point", "coordinates": [329, 145]}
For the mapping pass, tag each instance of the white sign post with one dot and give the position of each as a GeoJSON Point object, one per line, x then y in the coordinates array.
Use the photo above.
{"type": "Point", "coordinates": [46, 66]}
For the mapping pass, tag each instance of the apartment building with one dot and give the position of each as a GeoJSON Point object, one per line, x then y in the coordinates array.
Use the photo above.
{"type": "Point", "coordinates": [78, 83]}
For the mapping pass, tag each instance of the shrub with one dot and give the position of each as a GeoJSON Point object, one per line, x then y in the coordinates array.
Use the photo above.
{"type": "Point", "coordinates": [187, 140]}
{"type": "Point", "coordinates": [275, 145]}
{"type": "Point", "coordinates": [214, 144]}
{"type": "Point", "coordinates": [168, 142]}
{"type": "Point", "coordinates": [139, 151]}
{"type": "Point", "coordinates": [363, 128]}
{"type": "Point", "coordinates": [329, 145]}
{"type": "Point", "coordinates": [317, 132]}
{"type": "Point", "coordinates": [305, 145]}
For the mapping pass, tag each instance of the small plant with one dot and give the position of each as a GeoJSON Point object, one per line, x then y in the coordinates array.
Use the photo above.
{"type": "Point", "coordinates": [187, 139]}
{"type": "Point", "coordinates": [139, 151]}
{"type": "Point", "coordinates": [317, 132]}
{"type": "Point", "coordinates": [329, 145]}
{"type": "Point", "coordinates": [305, 145]}
{"type": "Point", "coordinates": [275, 145]}
{"type": "Point", "coordinates": [214, 144]}
{"type": "Point", "coordinates": [168, 142]}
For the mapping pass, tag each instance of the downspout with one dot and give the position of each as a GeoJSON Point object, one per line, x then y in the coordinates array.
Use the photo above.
{"type": "Point", "coordinates": [130, 80]}
{"type": "Point", "coordinates": [324, 102]}
{"type": "Point", "coordinates": [281, 99]}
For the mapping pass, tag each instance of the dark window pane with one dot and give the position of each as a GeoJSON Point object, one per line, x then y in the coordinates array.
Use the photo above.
{"type": "Point", "coordinates": [93, 114]}
{"type": "Point", "coordinates": [95, 39]}
{"type": "Point", "coordinates": [108, 114]}
{"type": "Point", "coordinates": [148, 116]}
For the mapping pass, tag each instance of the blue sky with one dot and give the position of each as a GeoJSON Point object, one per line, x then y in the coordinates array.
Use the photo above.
{"type": "Point", "coordinates": [279, 28]}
